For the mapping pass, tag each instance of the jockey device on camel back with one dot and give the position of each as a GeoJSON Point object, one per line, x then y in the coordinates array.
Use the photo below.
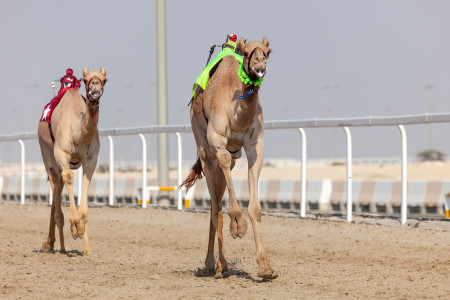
{"type": "Point", "coordinates": [68, 81]}
{"type": "Point", "coordinates": [228, 48]}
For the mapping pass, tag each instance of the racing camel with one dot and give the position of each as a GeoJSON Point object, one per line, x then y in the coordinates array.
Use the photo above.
{"type": "Point", "coordinates": [225, 118]}
{"type": "Point", "coordinates": [69, 141]}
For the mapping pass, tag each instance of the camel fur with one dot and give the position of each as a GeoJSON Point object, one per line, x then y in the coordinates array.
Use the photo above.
{"type": "Point", "coordinates": [76, 144]}
{"type": "Point", "coordinates": [223, 124]}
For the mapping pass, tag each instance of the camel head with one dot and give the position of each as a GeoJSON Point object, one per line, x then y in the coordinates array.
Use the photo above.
{"type": "Point", "coordinates": [255, 57]}
{"type": "Point", "coordinates": [94, 82]}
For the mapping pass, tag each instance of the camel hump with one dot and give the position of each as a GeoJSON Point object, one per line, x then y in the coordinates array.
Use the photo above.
{"type": "Point", "coordinates": [72, 93]}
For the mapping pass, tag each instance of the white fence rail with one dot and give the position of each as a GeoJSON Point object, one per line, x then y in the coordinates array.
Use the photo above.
{"type": "Point", "coordinates": [345, 123]}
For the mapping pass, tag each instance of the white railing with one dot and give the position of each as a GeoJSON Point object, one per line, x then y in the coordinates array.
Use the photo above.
{"type": "Point", "coordinates": [344, 123]}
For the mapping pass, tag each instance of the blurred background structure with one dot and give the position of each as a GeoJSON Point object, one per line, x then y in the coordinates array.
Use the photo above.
{"type": "Point", "coordinates": [330, 59]}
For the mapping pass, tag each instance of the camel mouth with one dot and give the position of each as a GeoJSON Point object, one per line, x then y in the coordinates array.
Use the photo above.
{"type": "Point", "coordinates": [96, 95]}
{"type": "Point", "coordinates": [260, 73]}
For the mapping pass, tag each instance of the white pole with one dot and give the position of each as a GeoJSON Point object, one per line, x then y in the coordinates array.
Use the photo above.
{"type": "Point", "coordinates": [303, 175]}
{"type": "Point", "coordinates": [161, 59]}
{"type": "Point", "coordinates": [144, 170]}
{"type": "Point", "coordinates": [349, 174]}
{"type": "Point", "coordinates": [404, 205]}
{"type": "Point", "coordinates": [111, 171]}
{"type": "Point", "coordinates": [180, 161]}
{"type": "Point", "coordinates": [80, 184]}
{"type": "Point", "coordinates": [22, 172]}
{"type": "Point", "coordinates": [50, 196]}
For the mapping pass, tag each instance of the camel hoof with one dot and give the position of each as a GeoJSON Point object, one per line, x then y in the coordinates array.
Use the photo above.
{"type": "Point", "coordinates": [86, 252]}
{"type": "Point", "coordinates": [74, 231]}
{"type": "Point", "coordinates": [46, 247]}
{"type": "Point", "coordinates": [269, 274]}
{"type": "Point", "coordinates": [242, 227]}
{"type": "Point", "coordinates": [218, 275]}
{"type": "Point", "coordinates": [233, 228]}
{"type": "Point", "coordinates": [238, 227]}
{"type": "Point", "coordinates": [63, 252]}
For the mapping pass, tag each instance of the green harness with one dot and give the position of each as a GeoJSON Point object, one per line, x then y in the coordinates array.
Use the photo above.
{"type": "Point", "coordinates": [203, 78]}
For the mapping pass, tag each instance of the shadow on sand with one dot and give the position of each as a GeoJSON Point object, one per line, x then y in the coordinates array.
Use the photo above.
{"type": "Point", "coordinates": [71, 253]}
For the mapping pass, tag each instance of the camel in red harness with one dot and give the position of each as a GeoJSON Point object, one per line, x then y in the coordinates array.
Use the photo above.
{"type": "Point", "coordinates": [225, 118]}
{"type": "Point", "coordinates": [68, 138]}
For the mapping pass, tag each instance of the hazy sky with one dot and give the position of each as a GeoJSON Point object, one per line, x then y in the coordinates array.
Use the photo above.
{"type": "Point", "coordinates": [377, 57]}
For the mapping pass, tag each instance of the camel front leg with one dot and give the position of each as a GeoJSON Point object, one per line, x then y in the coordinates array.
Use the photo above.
{"type": "Point", "coordinates": [88, 171]}
{"type": "Point", "coordinates": [216, 188]}
{"type": "Point", "coordinates": [255, 154]}
{"type": "Point", "coordinates": [217, 142]}
{"type": "Point", "coordinates": [62, 158]}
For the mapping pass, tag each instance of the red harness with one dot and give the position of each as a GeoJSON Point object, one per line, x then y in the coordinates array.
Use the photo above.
{"type": "Point", "coordinates": [50, 107]}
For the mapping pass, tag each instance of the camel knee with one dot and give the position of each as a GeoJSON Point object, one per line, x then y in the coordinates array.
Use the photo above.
{"type": "Point", "coordinates": [224, 158]}
{"type": "Point", "coordinates": [67, 177]}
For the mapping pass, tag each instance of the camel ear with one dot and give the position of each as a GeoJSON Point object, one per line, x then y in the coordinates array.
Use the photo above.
{"type": "Point", "coordinates": [241, 45]}
{"type": "Point", "coordinates": [85, 71]}
{"type": "Point", "coordinates": [265, 42]}
{"type": "Point", "coordinates": [103, 71]}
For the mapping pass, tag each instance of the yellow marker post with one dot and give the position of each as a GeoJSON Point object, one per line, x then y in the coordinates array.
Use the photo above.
{"type": "Point", "coordinates": [447, 205]}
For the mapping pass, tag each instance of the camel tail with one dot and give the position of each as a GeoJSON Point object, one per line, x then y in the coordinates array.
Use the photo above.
{"type": "Point", "coordinates": [194, 175]}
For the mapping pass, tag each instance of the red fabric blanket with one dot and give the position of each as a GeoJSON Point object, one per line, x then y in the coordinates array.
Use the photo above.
{"type": "Point", "coordinates": [50, 107]}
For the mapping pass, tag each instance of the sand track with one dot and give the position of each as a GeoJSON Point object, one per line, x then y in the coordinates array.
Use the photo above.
{"type": "Point", "coordinates": [159, 253]}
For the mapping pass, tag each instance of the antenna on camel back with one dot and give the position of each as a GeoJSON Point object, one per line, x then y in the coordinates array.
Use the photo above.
{"type": "Point", "coordinates": [53, 87]}
{"type": "Point", "coordinates": [230, 37]}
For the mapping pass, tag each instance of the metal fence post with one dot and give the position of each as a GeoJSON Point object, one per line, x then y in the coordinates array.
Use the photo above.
{"type": "Point", "coordinates": [22, 172]}
{"type": "Point", "coordinates": [303, 175]}
{"type": "Point", "coordinates": [180, 179]}
{"type": "Point", "coordinates": [111, 171]}
{"type": "Point", "coordinates": [404, 205]}
{"type": "Point", "coordinates": [349, 174]}
{"type": "Point", "coordinates": [80, 184]}
{"type": "Point", "coordinates": [144, 170]}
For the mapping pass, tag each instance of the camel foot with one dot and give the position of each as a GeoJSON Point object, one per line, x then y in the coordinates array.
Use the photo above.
{"type": "Point", "coordinates": [238, 227]}
{"type": "Point", "coordinates": [86, 252]}
{"type": "Point", "coordinates": [269, 274]}
{"type": "Point", "coordinates": [220, 275]}
{"type": "Point", "coordinates": [77, 230]}
{"type": "Point", "coordinates": [46, 247]}
{"type": "Point", "coordinates": [63, 251]}
{"type": "Point", "coordinates": [222, 270]}
{"type": "Point", "coordinates": [210, 263]}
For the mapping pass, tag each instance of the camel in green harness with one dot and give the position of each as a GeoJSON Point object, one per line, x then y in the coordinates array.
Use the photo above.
{"type": "Point", "coordinates": [226, 117]}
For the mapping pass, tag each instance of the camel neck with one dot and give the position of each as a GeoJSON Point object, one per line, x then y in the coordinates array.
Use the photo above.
{"type": "Point", "coordinates": [249, 92]}
{"type": "Point", "coordinates": [92, 110]}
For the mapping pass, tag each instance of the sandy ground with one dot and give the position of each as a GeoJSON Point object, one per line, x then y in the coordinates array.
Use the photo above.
{"type": "Point", "coordinates": [158, 253]}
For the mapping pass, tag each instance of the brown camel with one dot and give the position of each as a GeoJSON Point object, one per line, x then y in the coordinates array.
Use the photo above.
{"type": "Point", "coordinates": [76, 142]}
{"type": "Point", "coordinates": [222, 124]}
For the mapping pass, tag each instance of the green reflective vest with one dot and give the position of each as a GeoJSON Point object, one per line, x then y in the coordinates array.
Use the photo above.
{"type": "Point", "coordinates": [203, 78]}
